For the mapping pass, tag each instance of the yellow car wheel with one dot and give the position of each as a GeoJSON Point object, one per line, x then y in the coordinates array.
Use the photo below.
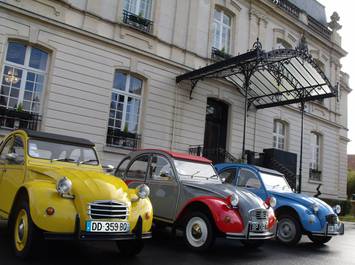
{"type": "Point", "coordinates": [25, 236]}
{"type": "Point", "coordinates": [21, 230]}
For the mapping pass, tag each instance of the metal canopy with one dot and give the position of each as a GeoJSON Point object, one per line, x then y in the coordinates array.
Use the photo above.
{"type": "Point", "coordinates": [268, 79]}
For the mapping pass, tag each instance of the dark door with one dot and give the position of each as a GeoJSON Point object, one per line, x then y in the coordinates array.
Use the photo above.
{"type": "Point", "coordinates": [215, 130]}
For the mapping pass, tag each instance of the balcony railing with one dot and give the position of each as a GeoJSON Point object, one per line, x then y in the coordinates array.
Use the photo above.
{"type": "Point", "coordinates": [137, 21]}
{"type": "Point", "coordinates": [13, 119]}
{"type": "Point", "coordinates": [319, 27]}
{"type": "Point", "coordinates": [294, 11]}
{"type": "Point", "coordinates": [217, 155]}
{"type": "Point", "coordinates": [117, 138]}
{"type": "Point", "coordinates": [315, 174]}
{"type": "Point", "coordinates": [288, 7]}
{"type": "Point", "coordinates": [218, 55]}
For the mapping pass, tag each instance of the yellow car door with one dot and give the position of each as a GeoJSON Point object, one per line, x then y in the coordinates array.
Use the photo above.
{"type": "Point", "coordinates": [12, 162]}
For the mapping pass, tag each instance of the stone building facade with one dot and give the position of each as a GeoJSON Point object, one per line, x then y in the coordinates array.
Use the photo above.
{"type": "Point", "coordinates": [105, 70]}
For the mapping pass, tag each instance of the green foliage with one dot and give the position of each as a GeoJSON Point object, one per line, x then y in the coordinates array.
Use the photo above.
{"type": "Point", "coordinates": [351, 183]}
{"type": "Point", "coordinates": [345, 205]}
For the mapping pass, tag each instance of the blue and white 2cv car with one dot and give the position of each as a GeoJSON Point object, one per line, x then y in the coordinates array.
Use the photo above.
{"type": "Point", "coordinates": [297, 213]}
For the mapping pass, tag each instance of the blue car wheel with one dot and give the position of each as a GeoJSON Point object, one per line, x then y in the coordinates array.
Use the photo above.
{"type": "Point", "coordinates": [319, 240]}
{"type": "Point", "coordinates": [288, 230]}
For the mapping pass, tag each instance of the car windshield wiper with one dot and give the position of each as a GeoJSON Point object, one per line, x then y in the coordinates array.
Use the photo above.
{"type": "Point", "coordinates": [194, 174]}
{"type": "Point", "coordinates": [214, 177]}
{"type": "Point", "coordinates": [87, 161]}
{"type": "Point", "coordinates": [63, 159]}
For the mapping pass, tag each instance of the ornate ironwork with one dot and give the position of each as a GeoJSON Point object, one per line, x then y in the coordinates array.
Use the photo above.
{"type": "Point", "coordinates": [13, 119]}
{"type": "Point", "coordinates": [125, 140]}
{"type": "Point", "coordinates": [137, 21]}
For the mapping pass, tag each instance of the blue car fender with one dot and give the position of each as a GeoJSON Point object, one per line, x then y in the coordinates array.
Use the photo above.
{"type": "Point", "coordinates": [308, 219]}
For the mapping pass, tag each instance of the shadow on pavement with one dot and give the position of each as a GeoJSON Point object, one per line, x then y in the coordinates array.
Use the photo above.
{"type": "Point", "coordinates": [162, 249]}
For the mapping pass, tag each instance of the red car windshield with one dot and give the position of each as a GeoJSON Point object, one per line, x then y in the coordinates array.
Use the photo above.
{"type": "Point", "coordinates": [194, 171]}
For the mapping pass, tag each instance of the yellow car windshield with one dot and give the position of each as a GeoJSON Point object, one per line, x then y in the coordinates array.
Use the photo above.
{"type": "Point", "coordinates": [63, 152]}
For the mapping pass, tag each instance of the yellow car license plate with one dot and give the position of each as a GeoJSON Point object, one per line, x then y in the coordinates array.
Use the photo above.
{"type": "Point", "coordinates": [107, 227]}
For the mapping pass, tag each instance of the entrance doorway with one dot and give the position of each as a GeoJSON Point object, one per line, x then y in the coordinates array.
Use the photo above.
{"type": "Point", "coordinates": [215, 130]}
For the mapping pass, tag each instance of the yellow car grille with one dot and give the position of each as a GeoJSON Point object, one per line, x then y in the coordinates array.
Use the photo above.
{"type": "Point", "coordinates": [108, 210]}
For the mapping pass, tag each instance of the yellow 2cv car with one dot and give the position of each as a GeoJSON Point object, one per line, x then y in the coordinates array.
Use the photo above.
{"type": "Point", "coordinates": [54, 187]}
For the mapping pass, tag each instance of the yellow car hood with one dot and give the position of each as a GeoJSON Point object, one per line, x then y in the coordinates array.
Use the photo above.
{"type": "Point", "coordinates": [89, 185]}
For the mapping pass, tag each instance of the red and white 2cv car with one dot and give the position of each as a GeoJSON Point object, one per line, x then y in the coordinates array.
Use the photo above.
{"type": "Point", "coordinates": [187, 194]}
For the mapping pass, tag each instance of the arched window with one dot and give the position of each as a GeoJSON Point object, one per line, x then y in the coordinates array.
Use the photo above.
{"type": "Point", "coordinates": [279, 135]}
{"type": "Point", "coordinates": [23, 77]}
{"type": "Point", "coordinates": [222, 31]}
{"type": "Point", "coordinates": [123, 123]}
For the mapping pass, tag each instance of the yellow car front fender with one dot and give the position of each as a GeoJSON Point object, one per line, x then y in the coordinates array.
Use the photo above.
{"type": "Point", "coordinates": [143, 208]}
{"type": "Point", "coordinates": [42, 195]}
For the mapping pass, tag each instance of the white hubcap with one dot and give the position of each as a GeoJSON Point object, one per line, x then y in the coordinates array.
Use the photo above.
{"type": "Point", "coordinates": [286, 230]}
{"type": "Point", "coordinates": [196, 232]}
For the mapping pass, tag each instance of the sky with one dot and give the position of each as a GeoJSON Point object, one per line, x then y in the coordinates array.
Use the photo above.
{"type": "Point", "coordinates": [345, 9]}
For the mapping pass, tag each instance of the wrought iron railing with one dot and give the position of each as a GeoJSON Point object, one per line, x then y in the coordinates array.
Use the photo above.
{"type": "Point", "coordinates": [294, 11]}
{"type": "Point", "coordinates": [117, 138]}
{"type": "Point", "coordinates": [319, 27]}
{"type": "Point", "coordinates": [218, 55]}
{"type": "Point", "coordinates": [288, 7]}
{"type": "Point", "coordinates": [137, 21]}
{"type": "Point", "coordinates": [13, 119]}
{"type": "Point", "coordinates": [217, 155]}
{"type": "Point", "coordinates": [315, 174]}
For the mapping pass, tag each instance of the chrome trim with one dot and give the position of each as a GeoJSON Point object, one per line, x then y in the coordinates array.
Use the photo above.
{"type": "Point", "coordinates": [108, 210]}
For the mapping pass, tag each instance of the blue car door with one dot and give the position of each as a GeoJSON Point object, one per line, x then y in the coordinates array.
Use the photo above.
{"type": "Point", "coordinates": [248, 179]}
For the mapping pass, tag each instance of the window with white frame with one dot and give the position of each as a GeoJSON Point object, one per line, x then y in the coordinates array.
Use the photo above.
{"type": "Point", "coordinates": [282, 44]}
{"type": "Point", "coordinates": [315, 146]}
{"type": "Point", "coordinates": [279, 135]}
{"type": "Point", "coordinates": [142, 8]}
{"type": "Point", "coordinates": [125, 109]}
{"type": "Point", "coordinates": [221, 31]}
{"type": "Point", "coordinates": [23, 77]}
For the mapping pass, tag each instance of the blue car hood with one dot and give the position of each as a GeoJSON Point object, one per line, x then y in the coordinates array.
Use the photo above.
{"type": "Point", "coordinates": [303, 199]}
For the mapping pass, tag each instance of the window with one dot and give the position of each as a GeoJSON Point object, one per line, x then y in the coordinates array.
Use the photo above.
{"type": "Point", "coordinates": [23, 78]}
{"type": "Point", "coordinates": [140, 8]}
{"type": "Point", "coordinates": [160, 168]}
{"type": "Point", "coordinates": [279, 135]}
{"type": "Point", "coordinates": [7, 149]}
{"type": "Point", "coordinates": [122, 168]}
{"type": "Point", "coordinates": [248, 179]}
{"type": "Point", "coordinates": [228, 175]}
{"type": "Point", "coordinates": [124, 110]}
{"type": "Point", "coordinates": [138, 168]}
{"type": "Point", "coordinates": [15, 147]}
{"type": "Point", "coordinates": [221, 31]}
{"type": "Point", "coordinates": [282, 44]}
{"type": "Point", "coordinates": [315, 164]}
{"type": "Point", "coordinates": [322, 68]}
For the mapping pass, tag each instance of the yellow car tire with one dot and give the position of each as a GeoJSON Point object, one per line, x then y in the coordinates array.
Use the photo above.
{"type": "Point", "coordinates": [130, 248]}
{"type": "Point", "coordinates": [24, 235]}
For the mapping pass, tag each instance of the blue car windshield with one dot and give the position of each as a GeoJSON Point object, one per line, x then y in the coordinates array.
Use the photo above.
{"type": "Point", "coordinates": [195, 171]}
{"type": "Point", "coordinates": [275, 182]}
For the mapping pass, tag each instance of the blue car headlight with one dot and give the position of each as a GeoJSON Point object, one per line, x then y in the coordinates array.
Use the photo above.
{"type": "Point", "coordinates": [337, 209]}
{"type": "Point", "coordinates": [315, 207]}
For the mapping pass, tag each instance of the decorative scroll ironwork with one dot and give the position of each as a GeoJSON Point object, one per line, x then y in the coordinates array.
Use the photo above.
{"type": "Point", "coordinates": [138, 22]}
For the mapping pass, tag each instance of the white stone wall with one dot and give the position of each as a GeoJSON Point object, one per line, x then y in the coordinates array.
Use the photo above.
{"type": "Point", "coordinates": [87, 47]}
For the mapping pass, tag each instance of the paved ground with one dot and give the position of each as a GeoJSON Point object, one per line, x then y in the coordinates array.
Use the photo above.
{"type": "Point", "coordinates": [167, 250]}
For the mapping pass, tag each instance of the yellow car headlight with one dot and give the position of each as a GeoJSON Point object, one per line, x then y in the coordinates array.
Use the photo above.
{"type": "Point", "coordinates": [64, 186]}
{"type": "Point", "coordinates": [143, 191]}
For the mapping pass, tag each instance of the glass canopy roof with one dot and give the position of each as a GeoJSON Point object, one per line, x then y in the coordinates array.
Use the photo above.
{"type": "Point", "coordinates": [268, 79]}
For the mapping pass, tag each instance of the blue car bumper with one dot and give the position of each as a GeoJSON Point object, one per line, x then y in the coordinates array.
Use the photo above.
{"type": "Point", "coordinates": [330, 230]}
